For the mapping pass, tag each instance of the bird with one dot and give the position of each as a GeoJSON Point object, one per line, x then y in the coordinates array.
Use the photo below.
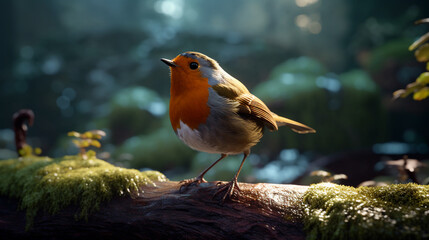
{"type": "Point", "coordinates": [213, 112]}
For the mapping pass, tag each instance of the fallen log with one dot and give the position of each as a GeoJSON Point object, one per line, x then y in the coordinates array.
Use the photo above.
{"type": "Point", "coordinates": [258, 211]}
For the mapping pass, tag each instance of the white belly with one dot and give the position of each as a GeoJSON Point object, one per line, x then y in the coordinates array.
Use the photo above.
{"type": "Point", "coordinates": [192, 138]}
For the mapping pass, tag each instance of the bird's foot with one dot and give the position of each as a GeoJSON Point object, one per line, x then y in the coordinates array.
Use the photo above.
{"type": "Point", "coordinates": [193, 181]}
{"type": "Point", "coordinates": [229, 188]}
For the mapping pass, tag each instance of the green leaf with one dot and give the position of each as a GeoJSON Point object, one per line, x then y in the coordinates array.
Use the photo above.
{"type": "Point", "coordinates": [422, 53]}
{"type": "Point", "coordinates": [423, 79]}
{"type": "Point", "coordinates": [421, 94]}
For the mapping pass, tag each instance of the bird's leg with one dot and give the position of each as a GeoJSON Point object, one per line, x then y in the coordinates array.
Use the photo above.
{"type": "Point", "coordinates": [200, 178]}
{"type": "Point", "coordinates": [233, 183]}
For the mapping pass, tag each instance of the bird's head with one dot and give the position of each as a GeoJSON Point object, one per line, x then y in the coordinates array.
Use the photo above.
{"type": "Point", "coordinates": [192, 67]}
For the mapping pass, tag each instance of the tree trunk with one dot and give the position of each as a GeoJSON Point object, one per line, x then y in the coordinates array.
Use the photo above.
{"type": "Point", "coordinates": [258, 211]}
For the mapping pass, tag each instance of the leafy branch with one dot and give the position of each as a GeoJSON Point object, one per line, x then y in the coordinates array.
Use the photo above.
{"type": "Point", "coordinates": [419, 88]}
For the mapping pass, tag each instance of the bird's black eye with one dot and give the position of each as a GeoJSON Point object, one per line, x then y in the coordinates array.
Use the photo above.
{"type": "Point", "coordinates": [193, 65]}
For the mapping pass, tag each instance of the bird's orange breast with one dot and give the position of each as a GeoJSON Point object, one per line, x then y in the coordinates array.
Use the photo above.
{"type": "Point", "coordinates": [188, 100]}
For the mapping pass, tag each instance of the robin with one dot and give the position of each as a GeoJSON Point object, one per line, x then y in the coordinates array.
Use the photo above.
{"type": "Point", "coordinates": [211, 111]}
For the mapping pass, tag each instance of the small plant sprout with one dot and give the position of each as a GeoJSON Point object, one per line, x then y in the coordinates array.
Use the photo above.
{"type": "Point", "coordinates": [85, 140]}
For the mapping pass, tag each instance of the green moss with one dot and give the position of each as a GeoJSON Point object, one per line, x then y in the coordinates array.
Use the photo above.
{"type": "Point", "coordinates": [387, 212]}
{"type": "Point", "coordinates": [42, 183]}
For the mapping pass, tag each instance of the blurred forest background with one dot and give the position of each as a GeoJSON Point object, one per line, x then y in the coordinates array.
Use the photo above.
{"type": "Point", "coordinates": [333, 65]}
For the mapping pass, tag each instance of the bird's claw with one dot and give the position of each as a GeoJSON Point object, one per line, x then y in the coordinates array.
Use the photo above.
{"type": "Point", "coordinates": [193, 181]}
{"type": "Point", "coordinates": [229, 187]}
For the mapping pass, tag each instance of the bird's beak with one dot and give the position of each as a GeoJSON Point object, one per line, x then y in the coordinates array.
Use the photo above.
{"type": "Point", "coordinates": [169, 62]}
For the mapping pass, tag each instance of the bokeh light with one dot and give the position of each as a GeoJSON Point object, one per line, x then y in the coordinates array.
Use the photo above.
{"type": "Point", "coordinates": [333, 65]}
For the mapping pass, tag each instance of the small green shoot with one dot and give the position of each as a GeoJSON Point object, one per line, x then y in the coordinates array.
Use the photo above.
{"type": "Point", "coordinates": [85, 140]}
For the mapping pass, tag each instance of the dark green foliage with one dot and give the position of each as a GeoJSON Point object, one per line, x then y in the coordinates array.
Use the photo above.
{"type": "Point", "coordinates": [159, 150]}
{"type": "Point", "coordinates": [344, 109]}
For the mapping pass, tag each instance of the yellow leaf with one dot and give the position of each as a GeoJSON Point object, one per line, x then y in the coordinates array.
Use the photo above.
{"type": "Point", "coordinates": [87, 135]}
{"type": "Point", "coordinates": [98, 133]}
{"type": "Point", "coordinates": [91, 154]}
{"type": "Point", "coordinates": [414, 86]}
{"type": "Point", "coordinates": [422, 53]}
{"type": "Point", "coordinates": [85, 143]}
{"type": "Point", "coordinates": [423, 79]}
{"type": "Point", "coordinates": [38, 151]}
{"type": "Point", "coordinates": [419, 41]}
{"type": "Point", "coordinates": [22, 152]}
{"type": "Point", "coordinates": [401, 93]}
{"type": "Point", "coordinates": [73, 134]}
{"type": "Point", "coordinates": [421, 94]}
{"type": "Point", "coordinates": [95, 143]}
{"type": "Point", "coordinates": [96, 136]}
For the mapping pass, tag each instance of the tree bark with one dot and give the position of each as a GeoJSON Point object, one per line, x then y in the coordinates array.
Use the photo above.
{"type": "Point", "coordinates": [258, 211]}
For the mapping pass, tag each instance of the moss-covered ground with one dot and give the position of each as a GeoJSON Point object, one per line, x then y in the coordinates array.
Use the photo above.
{"type": "Point", "coordinates": [49, 185]}
{"type": "Point", "coordinates": [397, 211]}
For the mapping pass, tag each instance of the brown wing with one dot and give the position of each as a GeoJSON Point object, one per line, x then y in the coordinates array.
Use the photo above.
{"type": "Point", "coordinates": [250, 104]}
{"type": "Point", "coordinates": [253, 106]}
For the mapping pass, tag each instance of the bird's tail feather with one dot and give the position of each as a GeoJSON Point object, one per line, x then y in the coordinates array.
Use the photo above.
{"type": "Point", "coordinates": [294, 125]}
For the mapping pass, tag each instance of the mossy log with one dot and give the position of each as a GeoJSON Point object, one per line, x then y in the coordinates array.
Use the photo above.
{"type": "Point", "coordinates": [69, 197]}
{"type": "Point", "coordinates": [259, 211]}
